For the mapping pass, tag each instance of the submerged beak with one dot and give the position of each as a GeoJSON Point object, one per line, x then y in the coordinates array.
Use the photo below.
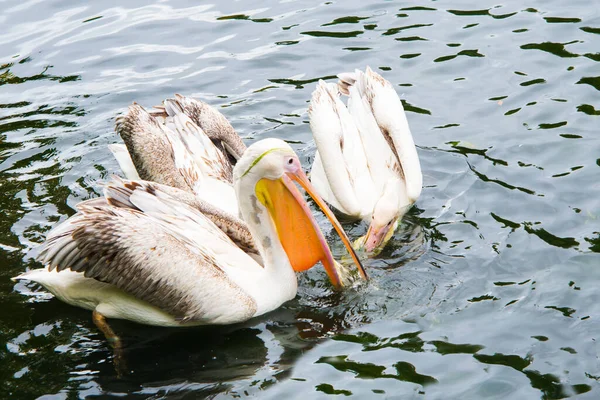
{"type": "Point", "coordinates": [377, 237]}
{"type": "Point", "coordinates": [297, 229]}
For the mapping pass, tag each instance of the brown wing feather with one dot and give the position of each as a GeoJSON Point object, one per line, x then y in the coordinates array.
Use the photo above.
{"type": "Point", "coordinates": [213, 123]}
{"type": "Point", "coordinates": [215, 159]}
{"type": "Point", "coordinates": [149, 148]}
{"type": "Point", "coordinates": [237, 230]}
{"type": "Point", "coordinates": [144, 257]}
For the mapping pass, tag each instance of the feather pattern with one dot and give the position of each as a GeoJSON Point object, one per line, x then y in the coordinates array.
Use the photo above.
{"type": "Point", "coordinates": [236, 229]}
{"type": "Point", "coordinates": [168, 147]}
{"type": "Point", "coordinates": [136, 239]}
{"type": "Point", "coordinates": [207, 155]}
{"type": "Point", "coordinates": [391, 119]}
{"type": "Point", "coordinates": [211, 121]}
{"type": "Point", "coordinates": [341, 152]}
{"type": "Point", "coordinates": [149, 148]}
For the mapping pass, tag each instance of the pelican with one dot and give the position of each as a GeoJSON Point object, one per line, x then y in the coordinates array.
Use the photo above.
{"type": "Point", "coordinates": [366, 165]}
{"type": "Point", "coordinates": [184, 143]}
{"type": "Point", "coordinates": [151, 253]}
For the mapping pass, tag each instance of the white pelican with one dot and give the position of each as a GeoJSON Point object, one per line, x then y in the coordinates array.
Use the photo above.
{"type": "Point", "coordinates": [151, 254]}
{"type": "Point", "coordinates": [184, 143]}
{"type": "Point", "coordinates": [366, 165]}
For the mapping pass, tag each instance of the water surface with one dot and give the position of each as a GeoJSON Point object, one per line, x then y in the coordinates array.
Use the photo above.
{"type": "Point", "coordinates": [488, 290]}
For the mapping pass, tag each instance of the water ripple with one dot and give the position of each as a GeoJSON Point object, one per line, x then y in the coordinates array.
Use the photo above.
{"type": "Point", "coordinates": [487, 290]}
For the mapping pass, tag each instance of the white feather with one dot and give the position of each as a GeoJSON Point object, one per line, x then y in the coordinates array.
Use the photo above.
{"type": "Point", "coordinates": [328, 132]}
{"type": "Point", "coordinates": [389, 114]}
{"type": "Point", "coordinates": [197, 158]}
{"type": "Point", "coordinates": [119, 151]}
{"type": "Point", "coordinates": [366, 164]}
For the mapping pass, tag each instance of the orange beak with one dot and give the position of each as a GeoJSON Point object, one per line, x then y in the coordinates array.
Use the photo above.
{"type": "Point", "coordinates": [297, 229]}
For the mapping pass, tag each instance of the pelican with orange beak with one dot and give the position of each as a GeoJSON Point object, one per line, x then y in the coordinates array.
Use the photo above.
{"type": "Point", "coordinates": [157, 255]}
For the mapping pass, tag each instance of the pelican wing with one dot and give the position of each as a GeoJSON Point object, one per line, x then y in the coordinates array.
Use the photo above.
{"type": "Point", "coordinates": [204, 152]}
{"type": "Point", "coordinates": [184, 161]}
{"type": "Point", "coordinates": [150, 150]}
{"type": "Point", "coordinates": [211, 121]}
{"type": "Point", "coordinates": [156, 249]}
{"type": "Point", "coordinates": [203, 165]}
{"type": "Point", "coordinates": [381, 160]}
{"type": "Point", "coordinates": [341, 152]}
{"type": "Point", "coordinates": [174, 151]}
{"type": "Point", "coordinates": [391, 118]}
{"type": "Point", "coordinates": [319, 181]}
{"type": "Point", "coordinates": [236, 229]}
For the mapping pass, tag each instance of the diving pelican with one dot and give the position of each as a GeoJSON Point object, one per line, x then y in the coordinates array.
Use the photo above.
{"type": "Point", "coordinates": [366, 165]}
{"type": "Point", "coordinates": [184, 143]}
{"type": "Point", "coordinates": [151, 253]}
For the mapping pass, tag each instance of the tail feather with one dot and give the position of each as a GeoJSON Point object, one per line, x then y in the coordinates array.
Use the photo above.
{"type": "Point", "coordinates": [347, 79]}
{"type": "Point", "coordinates": [196, 143]}
{"type": "Point", "coordinates": [213, 123]}
{"type": "Point", "coordinates": [123, 157]}
{"type": "Point", "coordinates": [149, 148]}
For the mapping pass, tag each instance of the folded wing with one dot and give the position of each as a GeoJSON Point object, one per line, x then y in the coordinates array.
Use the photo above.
{"type": "Point", "coordinates": [155, 248]}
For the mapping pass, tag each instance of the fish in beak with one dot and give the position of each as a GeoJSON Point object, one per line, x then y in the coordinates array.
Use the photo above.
{"type": "Point", "coordinates": [297, 229]}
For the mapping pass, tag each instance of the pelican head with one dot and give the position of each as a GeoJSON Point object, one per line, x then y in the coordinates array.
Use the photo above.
{"type": "Point", "coordinates": [387, 213]}
{"type": "Point", "coordinates": [264, 180]}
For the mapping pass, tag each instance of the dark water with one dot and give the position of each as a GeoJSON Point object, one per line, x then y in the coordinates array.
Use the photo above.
{"type": "Point", "coordinates": [489, 290]}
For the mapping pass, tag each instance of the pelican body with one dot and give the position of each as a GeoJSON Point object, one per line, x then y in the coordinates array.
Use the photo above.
{"type": "Point", "coordinates": [143, 254]}
{"type": "Point", "coordinates": [366, 164]}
